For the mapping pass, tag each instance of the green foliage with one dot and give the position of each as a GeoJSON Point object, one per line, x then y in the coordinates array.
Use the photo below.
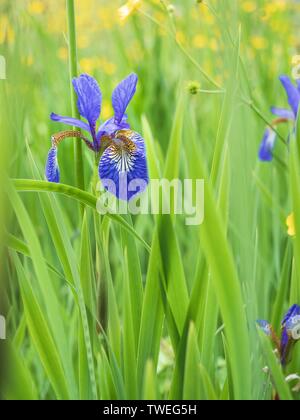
{"type": "Point", "coordinates": [146, 307]}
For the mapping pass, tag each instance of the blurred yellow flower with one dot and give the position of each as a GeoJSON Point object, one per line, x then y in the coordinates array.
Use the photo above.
{"type": "Point", "coordinates": [109, 68]}
{"type": "Point", "coordinates": [128, 8]}
{"type": "Point", "coordinates": [107, 17]}
{"type": "Point", "coordinates": [259, 43]}
{"type": "Point", "coordinates": [180, 37]}
{"type": "Point", "coordinates": [36, 7]}
{"type": "Point", "coordinates": [249, 6]}
{"type": "Point", "coordinates": [290, 221]}
{"type": "Point", "coordinates": [88, 64]}
{"type": "Point", "coordinates": [28, 60]}
{"type": "Point", "coordinates": [83, 41]}
{"type": "Point", "coordinates": [213, 45]}
{"type": "Point", "coordinates": [63, 53]}
{"type": "Point", "coordinates": [106, 111]}
{"type": "Point", "coordinates": [7, 34]}
{"type": "Point", "coordinates": [200, 41]}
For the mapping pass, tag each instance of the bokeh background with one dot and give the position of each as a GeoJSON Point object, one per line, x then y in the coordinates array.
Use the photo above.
{"type": "Point", "coordinates": [243, 45]}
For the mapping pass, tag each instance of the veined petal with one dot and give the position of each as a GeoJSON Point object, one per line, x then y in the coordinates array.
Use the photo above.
{"type": "Point", "coordinates": [293, 327]}
{"type": "Point", "coordinates": [124, 163]}
{"type": "Point", "coordinates": [267, 145]}
{"type": "Point", "coordinates": [110, 126]}
{"type": "Point", "coordinates": [292, 92]}
{"type": "Point", "coordinates": [122, 95]}
{"type": "Point", "coordinates": [52, 169]}
{"type": "Point", "coordinates": [70, 121]}
{"type": "Point", "coordinates": [283, 113]}
{"type": "Point", "coordinates": [89, 98]}
{"type": "Point", "coordinates": [293, 311]}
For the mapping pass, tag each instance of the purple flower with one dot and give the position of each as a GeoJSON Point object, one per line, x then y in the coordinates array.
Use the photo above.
{"type": "Point", "coordinates": [265, 326]}
{"type": "Point", "coordinates": [284, 114]}
{"type": "Point", "coordinates": [121, 151]}
{"type": "Point", "coordinates": [290, 333]}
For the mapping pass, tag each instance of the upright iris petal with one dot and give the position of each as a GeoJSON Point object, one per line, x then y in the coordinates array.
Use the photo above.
{"type": "Point", "coordinates": [267, 145]}
{"type": "Point", "coordinates": [124, 164]}
{"type": "Point", "coordinates": [122, 95]}
{"type": "Point", "coordinates": [292, 92]}
{"type": "Point", "coordinates": [89, 98]}
{"type": "Point", "coordinates": [52, 169]}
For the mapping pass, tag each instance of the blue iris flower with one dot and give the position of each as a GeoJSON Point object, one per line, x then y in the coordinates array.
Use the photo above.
{"type": "Point", "coordinates": [283, 114]}
{"type": "Point", "coordinates": [121, 151]}
{"type": "Point", "coordinates": [290, 333]}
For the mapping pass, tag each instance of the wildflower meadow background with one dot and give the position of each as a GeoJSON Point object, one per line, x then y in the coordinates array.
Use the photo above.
{"type": "Point", "coordinates": [145, 307]}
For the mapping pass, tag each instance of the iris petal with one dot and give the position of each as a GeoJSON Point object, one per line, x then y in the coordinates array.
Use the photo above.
{"type": "Point", "coordinates": [293, 311]}
{"type": "Point", "coordinates": [265, 326]}
{"type": "Point", "coordinates": [122, 95]}
{"type": "Point", "coordinates": [70, 121]}
{"type": "Point", "coordinates": [124, 163]}
{"type": "Point", "coordinates": [52, 169]}
{"type": "Point", "coordinates": [292, 92]}
{"type": "Point", "coordinates": [283, 113]}
{"type": "Point", "coordinates": [267, 145]}
{"type": "Point", "coordinates": [89, 98]}
{"type": "Point", "coordinates": [110, 127]}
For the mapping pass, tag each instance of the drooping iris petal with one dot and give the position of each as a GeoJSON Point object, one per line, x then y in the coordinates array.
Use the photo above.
{"type": "Point", "coordinates": [110, 126]}
{"type": "Point", "coordinates": [124, 163]}
{"type": "Point", "coordinates": [70, 121]}
{"type": "Point", "coordinates": [292, 92]}
{"type": "Point", "coordinates": [52, 170]}
{"type": "Point", "coordinates": [283, 113]}
{"type": "Point", "coordinates": [122, 95]}
{"type": "Point", "coordinates": [267, 145]}
{"type": "Point", "coordinates": [89, 98]}
{"type": "Point", "coordinates": [265, 326]}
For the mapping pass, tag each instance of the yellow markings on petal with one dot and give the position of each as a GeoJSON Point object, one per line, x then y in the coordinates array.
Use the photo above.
{"type": "Point", "coordinates": [128, 8]}
{"type": "Point", "coordinates": [290, 221]}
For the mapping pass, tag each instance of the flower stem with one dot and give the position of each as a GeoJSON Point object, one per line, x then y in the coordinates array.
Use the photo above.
{"type": "Point", "coordinates": [79, 173]}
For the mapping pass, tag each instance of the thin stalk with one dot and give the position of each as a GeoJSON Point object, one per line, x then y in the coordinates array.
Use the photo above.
{"type": "Point", "coordinates": [184, 51]}
{"type": "Point", "coordinates": [79, 173]}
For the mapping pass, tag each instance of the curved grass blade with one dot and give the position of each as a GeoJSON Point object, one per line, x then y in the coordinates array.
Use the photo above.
{"type": "Point", "coordinates": [41, 335]}
{"type": "Point", "coordinates": [27, 185]}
